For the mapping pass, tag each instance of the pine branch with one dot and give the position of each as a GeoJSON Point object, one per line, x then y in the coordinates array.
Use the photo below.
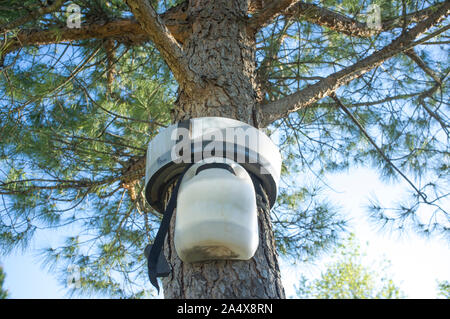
{"type": "Point", "coordinates": [150, 122]}
{"type": "Point", "coordinates": [429, 93]}
{"type": "Point", "coordinates": [379, 150]}
{"type": "Point", "coordinates": [126, 31]}
{"type": "Point", "coordinates": [414, 57]}
{"type": "Point", "coordinates": [111, 71]}
{"type": "Point", "coordinates": [351, 104]}
{"type": "Point", "coordinates": [266, 14]}
{"type": "Point", "coordinates": [25, 186]}
{"type": "Point", "coordinates": [18, 187]}
{"type": "Point", "coordinates": [263, 72]}
{"type": "Point", "coordinates": [311, 94]}
{"type": "Point", "coordinates": [80, 68]}
{"type": "Point", "coordinates": [33, 15]}
{"type": "Point", "coordinates": [164, 41]}
{"type": "Point", "coordinates": [336, 21]}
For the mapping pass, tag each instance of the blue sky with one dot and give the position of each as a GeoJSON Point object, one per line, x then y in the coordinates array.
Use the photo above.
{"type": "Point", "coordinates": [416, 262]}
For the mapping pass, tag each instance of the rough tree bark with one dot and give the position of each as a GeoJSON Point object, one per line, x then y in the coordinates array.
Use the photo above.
{"type": "Point", "coordinates": [222, 52]}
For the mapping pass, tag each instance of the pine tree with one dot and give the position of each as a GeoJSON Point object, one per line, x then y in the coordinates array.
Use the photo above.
{"type": "Point", "coordinates": [348, 276]}
{"type": "Point", "coordinates": [86, 84]}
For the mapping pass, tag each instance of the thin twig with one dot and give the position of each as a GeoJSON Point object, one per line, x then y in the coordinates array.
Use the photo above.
{"type": "Point", "coordinates": [379, 150]}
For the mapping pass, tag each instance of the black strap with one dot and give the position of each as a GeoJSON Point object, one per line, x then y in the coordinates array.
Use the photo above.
{"type": "Point", "coordinates": [215, 165]}
{"type": "Point", "coordinates": [156, 261]}
{"type": "Point", "coordinates": [262, 200]}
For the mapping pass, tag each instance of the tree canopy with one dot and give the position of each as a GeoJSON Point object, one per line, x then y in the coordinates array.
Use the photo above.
{"type": "Point", "coordinates": [339, 84]}
{"type": "Point", "coordinates": [348, 276]}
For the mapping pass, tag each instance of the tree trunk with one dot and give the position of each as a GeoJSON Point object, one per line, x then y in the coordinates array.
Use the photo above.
{"type": "Point", "coordinates": [222, 52]}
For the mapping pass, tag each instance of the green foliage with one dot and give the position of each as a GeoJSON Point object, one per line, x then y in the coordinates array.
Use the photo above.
{"type": "Point", "coordinates": [444, 289]}
{"type": "Point", "coordinates": [66, 141]}
{"type": "Point", "coordinates": [3, 292]}
{"type": "Point", "coordinates": [346, 277]}
{"type": "Point", "coordinates": [306, 224]}
{"type": "Point", "coordinates": [399, 105]}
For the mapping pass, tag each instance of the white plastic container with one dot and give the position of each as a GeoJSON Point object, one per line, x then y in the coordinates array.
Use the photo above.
{"type": "Point", "coordinates": [216, 214]}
